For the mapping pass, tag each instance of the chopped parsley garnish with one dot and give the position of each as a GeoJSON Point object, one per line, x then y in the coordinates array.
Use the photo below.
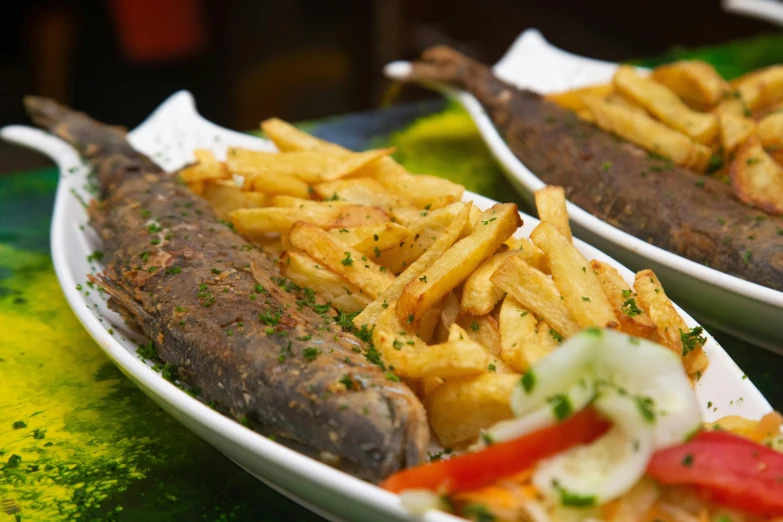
{"type": "Point", "coordinates": [692, 339]}
{"type": "Point", "coordinates": [95, 256]}
{"type": "Point", "coordinates": [556, 336]}
{"type": "Point", "coordinates": [322, 308]}
{"type": "Point", "coordinates": [688, 460]}
{"type": "Point", "coordinates": [491, 368]}
{"type": "Point", "coordinates": [391, 377]}
{"type": "Point", "coordinates": [311, 353]}
{"type": "Point", "coordinates": [528, 381]}
{"type": "Point", "coordinates": [478, 512]}
{"type": "Point", "coordinates": [627, 294]}
{"type": "Point", "coordinates": [586, 299]}
{"type": "Point", "coordinates": [147, 351]}
{"type": "Point", "coordinates": [410, 318]}
{"type": "Point", "coordinates": [377, 251]}
{"type": "Point", "coordinates": [645, 405]}
{"type": "Point", "coordinates": [607, 165]}
{"type": "Point", "coordinates": [153, 228]}
{"type": "Point", "coordinates": [475, 326]}
{"type": "Point", "coordinates": [174, 270]}
{"type": "Point", "coordinates": [397, 345]}
{"type": "Point", "coordinates": [347, 261]}
{"type": "Point", "coordinates": [630, 309]}
{"type": "Point", "coordinates": [144, 256]}
{"type": "Point", "coordinates": [244, 421]}
{"type": "Point", "coordinates": [746, 256]}
{"type": "Point", "coordinates": [561, 406]}
{"type": "Point", "coordinates": [269, 318]}
{"type": "Point", "coordinates": [215, 270]}
{"type": "Point", "coordinates": [423, 279]}
{"type": "Point", "coordinates": [260, 289]}
{"type": "Point", "coordinates": [347, 382]}
{"type": "Point", "coordinates": [18, 425]}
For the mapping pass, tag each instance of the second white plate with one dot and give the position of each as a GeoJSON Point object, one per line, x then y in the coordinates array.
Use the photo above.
{"type": "Point", "coordinates": [731, 304]}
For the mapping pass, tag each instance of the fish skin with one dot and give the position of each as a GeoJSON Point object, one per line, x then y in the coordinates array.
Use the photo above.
{"type": "Point", "coordinates": [602, 174]}
{"type": "Point", "coordinates": [251, 368]}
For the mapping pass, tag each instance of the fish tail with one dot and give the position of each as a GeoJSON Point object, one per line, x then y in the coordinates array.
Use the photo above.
{"type": "Point", "coordinates": [104, 146]}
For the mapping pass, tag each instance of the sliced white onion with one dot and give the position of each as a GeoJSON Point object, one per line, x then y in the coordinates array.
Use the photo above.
{"type": "Point", "coordinates": [418, 501]}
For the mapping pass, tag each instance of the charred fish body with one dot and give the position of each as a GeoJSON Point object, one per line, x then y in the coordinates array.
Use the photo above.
{"type": "Point", "coordinates": [258, 346]}
{"type": "Point", "coordinates": [619, 182]}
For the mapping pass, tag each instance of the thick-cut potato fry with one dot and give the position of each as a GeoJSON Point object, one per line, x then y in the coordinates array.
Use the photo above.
{"type": "Point", "coordinates": [225, 196]}
{"type": "Point", "coordinates": [411, 357]}
{"type": "Point", "coordinates": [309, 166]}
{"type": "Point", "coordinates": [732, 105]}
{"type": "Point", "coordinates": [341, 259]}
{"type": "Point", "coordinates": [659, 101]}
{"type": "Point", "coordinates": [484, 330]}
{"type": "Point", "coordinates": [734, 130]}
{"type": "Point", "coordinates": [623, 101]}
{"type": "Point", "coordinates": [760, 88]}
{"type": "Point", "coordinates": [288, 138]}
{"type": "Point", "coordinates": [551, 207]}
{"type": "Point", "coordinates": [460, 408]}
{"type": "Point", "coordinates": [520, 345]}
{"type": "Point", "coordinates": [572, 100]}
{"type": "Point", "coordinates": [425, 231]}
{"type": "Point", "coordinates": [532, 255]}
{"type": "Point", "coordinates": [429, 321]}
{"type": "Point", "coordinates": [280, 220]}
{"type": "Point", "coordinates": [479, 293]}
{"type": "Point", "coordinates": [284, 201]}
{"type": "Point", "coordinates": [649, 134]}
{"type": "Point", "coordinates": [671, 330]}
{"type": "Point", "coordinates": [421, 191]}
{"type": "Point", "coordinates": [307, 273]}
{"type": "Point", "coordinates": [696, 82]}
{"type": "Point", "coordinates": [206, 168]}
{"type": "Point", "coordinates": [633, 320]}
{"type": "Point", "coordinates": [757, 179]}
{"type": "Point", "coordinates": [580, 288]}
{"type": "Point", "coordinates": [276, 184]}
{"type": "Point", "coordinates": [457, 263]}
{"type": "Point", "coordinates": [372, 240]}
{"type": "Point", "coordinates": [393, 292]}
{"type": "Point", "coordinates": [448, 315]}
{"type": "Point", "coordinates": [770, 130]}
{"type": "Point", "coordinates": [536, 292]}
{"type": "Point", "coordinates": [359, 191]}
{"type": "Point", "coordinates": [757, 430]}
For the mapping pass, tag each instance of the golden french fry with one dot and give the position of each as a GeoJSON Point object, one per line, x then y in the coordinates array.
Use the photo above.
{"type": "Point", "coordinates": [580, 288]}
{"type": "Point", "coordinates": [757, 179]}
{"type": "Point", "coordinates": [457, 263]}
{"type": "Point", "coordinates": [770, 130]}
{"type": "Point", "coordinates": [696, 82]}
{"type": "Point", "coordinates": [757, 430]}
{"type": "Point", "coordinates": [448, 314]}
{"type": "Point", "coordinates": [659, 101]}
{"type": "Point", "coordinates": [307, 273]}
{"type": "Point", "coordinates": [351, 264]}
{"type": "Point", "coordinates": [649, 134]}
{"type": "Point", "coordinates": [288, 138]}
{"type": "Point", "coordinates": [734, 130]}
{"type": "Point", "coordinates": [460, 408]}
{"type": "Point", "coordinates": [308, 166]}
{"type": "Point", "coordinates": [225, 196]}
{"type": "Point", "coordinates": [536, 292]}
{"type": "Point", "coordinates": [617, 98]}
{"type": "Point", "coordinates": [671, 330]}
{"type": "Point", "coordinates": [372, 240]}
{"type": "Point", "coordinates": [551, 207]}
{"type": "Point", "coordinates": [284, 201]}
{"type": "Point", "coordinates": [531, 254]}
{"type": "Point", "coordinates": [276, 184]}
{"type": "Point", "coordinates": [479, 293]}
{"type": "Point", "coordinates": [761, 87]}
{"type": "Point", "coordinates": [442, 244]}
{"type": "Point", "coordinates": [360, 191]}
{"type": "Point", "coordinates": [484, 330]}
{"type": "Point", "coordinates": [425, 231]}
{"type": "Point", "coordinates": [633, 320]}
{"type": "Point", "coordinates": [207, 168]}
{"type": "Point", "coordinates": [412, 358]}
{"type": "Point", "coordinates": [520, 344]}
{"type": "Point", "coordinates": [572, 100]}
{"type": "Point", "coordinates": [421, 191]}
{"type": "Point", "coordinates": [280, 220]}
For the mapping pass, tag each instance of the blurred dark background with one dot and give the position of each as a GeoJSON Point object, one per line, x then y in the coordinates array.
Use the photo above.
{"type": "Point", "coordinates": [246, 60]}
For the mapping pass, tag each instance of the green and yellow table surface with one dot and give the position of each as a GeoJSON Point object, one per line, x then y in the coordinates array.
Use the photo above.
{"type": "Point", "coordinates": [78, 441]}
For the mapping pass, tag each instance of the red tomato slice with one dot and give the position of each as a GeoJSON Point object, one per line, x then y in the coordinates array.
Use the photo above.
{"type": "Point", "coordinates": [475, 470]}
{"type": "Point", "coordinates": [729, 469]}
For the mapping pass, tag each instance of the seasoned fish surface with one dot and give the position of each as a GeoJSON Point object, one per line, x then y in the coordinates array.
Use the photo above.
{"type": "Point", "coordinates": [650, 198]}
{"type": "Point", "coordinates": [218, 310]}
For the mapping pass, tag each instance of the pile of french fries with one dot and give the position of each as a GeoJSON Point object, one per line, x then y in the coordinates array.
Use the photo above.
{"type": "Point", "coordinates": [459, 305]}
{"type": "Point", "coordinates": [688, 113]}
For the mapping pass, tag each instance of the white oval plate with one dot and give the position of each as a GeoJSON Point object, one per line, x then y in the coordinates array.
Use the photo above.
{"type": "Point", "coordinates": [747, 310]}
{"type": "Point", "coordinates": [169, 135]}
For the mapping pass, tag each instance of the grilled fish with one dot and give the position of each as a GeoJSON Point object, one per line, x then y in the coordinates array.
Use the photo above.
{"type": "Point", "coordinates": [218, 311]}
{"type": "Point", "coordinates": [644, 195]}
